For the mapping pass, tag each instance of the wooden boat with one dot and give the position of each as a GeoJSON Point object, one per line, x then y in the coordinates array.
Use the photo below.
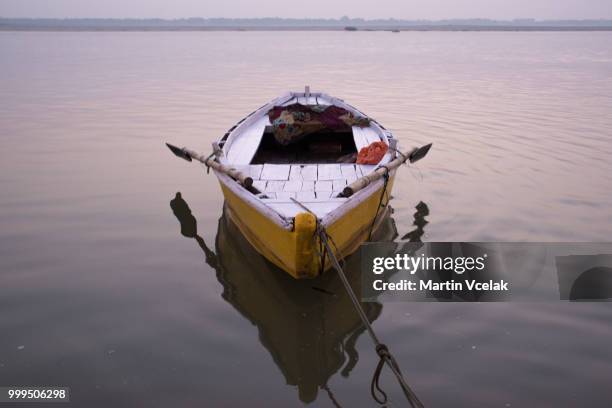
{"type": "Point", "coordinates": [279, 195]}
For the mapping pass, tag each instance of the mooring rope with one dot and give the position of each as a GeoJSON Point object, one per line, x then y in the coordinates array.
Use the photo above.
{"type": "Point", "coordinates": [381, 349]}
{"type": "Point", "coordinates": [331, 396]}
{"type": "Point", "coordinates": [210, 156]}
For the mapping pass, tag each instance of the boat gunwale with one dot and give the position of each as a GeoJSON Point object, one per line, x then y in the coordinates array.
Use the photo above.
{"type": "Point", "coordinates": [229, 138]}
{"type": "Point", "coordinates": [261, 206]}
{"type": "Point", "coordinates": [254, 201]}
{"type": "Point", "coordinates": [287, 223]}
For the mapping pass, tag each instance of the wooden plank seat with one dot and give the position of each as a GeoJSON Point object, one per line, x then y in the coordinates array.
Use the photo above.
{"type": "Point", "coordinates": [308, 183]}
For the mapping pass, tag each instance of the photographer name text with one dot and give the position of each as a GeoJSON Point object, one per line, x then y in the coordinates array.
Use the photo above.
{"type": "Point", "coordinates": [424, 264]}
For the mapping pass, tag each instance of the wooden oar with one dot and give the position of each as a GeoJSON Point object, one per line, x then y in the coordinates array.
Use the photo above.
{"type": "Point", "coordinates": [412, 156]}
{"type": "Point", "coordinates": [187, 154]}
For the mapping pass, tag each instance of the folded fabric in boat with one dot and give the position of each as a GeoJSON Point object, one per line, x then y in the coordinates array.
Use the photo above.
{"type": "Point", "coordinates": [291, 123]}
{"type": "Point", "coordinates": [372, 153]}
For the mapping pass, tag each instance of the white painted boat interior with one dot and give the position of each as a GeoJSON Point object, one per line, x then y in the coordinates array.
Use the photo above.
{"type": "Point", "coordinates": [247, 141]}
{"type": "Point", "coordinates": [315, 185]}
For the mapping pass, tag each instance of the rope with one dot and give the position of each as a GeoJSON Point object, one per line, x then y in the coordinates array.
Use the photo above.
{"type": "Point", "coordinates": [331, 396]}
{"type": "Point", "coordinates": [322, 255]}
{"type": "Point", "coordinates": [210, 156]}
{"type": "Point", "coordinates": [375, 386]}
{"type": "Point", "coordinates": [404, 157]}
{"type": "Point", "coordinates": [380, 203]}
{"type": "Point", "coordinates": [381, 349]}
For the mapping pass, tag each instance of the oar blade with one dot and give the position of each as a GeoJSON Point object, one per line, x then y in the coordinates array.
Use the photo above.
{"type": "Point", "coordinates": [178, 152]}
{"type": "Point", "coordinates": [419, 153]}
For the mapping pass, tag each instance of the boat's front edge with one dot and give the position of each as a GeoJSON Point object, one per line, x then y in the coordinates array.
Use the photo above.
{"type": "Point", "coordinates": [293, 245]}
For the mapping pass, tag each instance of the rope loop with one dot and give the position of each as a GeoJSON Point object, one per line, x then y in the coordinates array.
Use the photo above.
{"type": "Point", "coordinates": [377, 393]}
{"type": "Point", "coordinates": [382, 350]}
{"type": "Point", "coordinates": [210, 156]}
{"type": "Point", "coordinates": [386, 175]}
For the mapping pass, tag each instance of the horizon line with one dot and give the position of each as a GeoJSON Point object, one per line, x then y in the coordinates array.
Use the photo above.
{"type": "Point", "coordinates": [340, 19]}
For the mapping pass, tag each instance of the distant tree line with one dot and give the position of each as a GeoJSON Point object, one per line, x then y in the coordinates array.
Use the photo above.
{"type": "Point", "coordinates": [272, 22]}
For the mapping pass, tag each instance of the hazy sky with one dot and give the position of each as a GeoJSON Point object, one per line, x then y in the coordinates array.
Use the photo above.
{"type": "Point", "coordinates": [406, 9]}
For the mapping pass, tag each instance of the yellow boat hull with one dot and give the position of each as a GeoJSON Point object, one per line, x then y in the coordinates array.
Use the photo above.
{"type": "Point", "coordinates": [298, 250]}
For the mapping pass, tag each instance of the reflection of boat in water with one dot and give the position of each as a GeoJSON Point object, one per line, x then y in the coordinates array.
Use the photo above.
{"type": "Point", "coordinates": [309, 326]}
{"type": "Point", "coordinates": [422, 211]}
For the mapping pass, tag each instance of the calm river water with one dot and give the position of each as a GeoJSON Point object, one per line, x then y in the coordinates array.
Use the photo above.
{"type": "Point", "coordinates": [99, 291]}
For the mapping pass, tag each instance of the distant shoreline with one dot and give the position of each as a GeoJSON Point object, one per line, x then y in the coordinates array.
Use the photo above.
{"type": "Point", "coordinates": [297, 24]}
{"type": "Point", "coordinates": [94, 28]}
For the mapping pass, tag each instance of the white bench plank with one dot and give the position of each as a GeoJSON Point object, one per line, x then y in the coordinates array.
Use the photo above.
{"type": "Point", "coordinates": [296, 172]}
{"type": "Point", "coordinates": [308, 185]}
{"type": "Point", "coordinates": [338, 185]}
{"type": "Point", "coordinates": [309, 172]}
{"type": "Point", "coordinates": [348, 172]}
{"type": "Point", "coordinates": [259, 185]}
{"type": "Point", "coordinates": [323, 186]}
{"type": "Point", "coordinates": [329, 172]}
{"type": "Point", "coordinates": [305, 195]}
{"type": "Point", "coordinates": [293, 185]}
{"type": "Point", "coordinates": [283, 195]}
{"type": "Point", "coordinates": [275, 172]}
{"type": "Point", "coordinates": [255, 171]}
{"type": "Point", "coordinates": [275, 186]}
{"type": "Point", "coordinates": [324, 195]}
{"type": "Point", "coordinates": [322, 209]}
